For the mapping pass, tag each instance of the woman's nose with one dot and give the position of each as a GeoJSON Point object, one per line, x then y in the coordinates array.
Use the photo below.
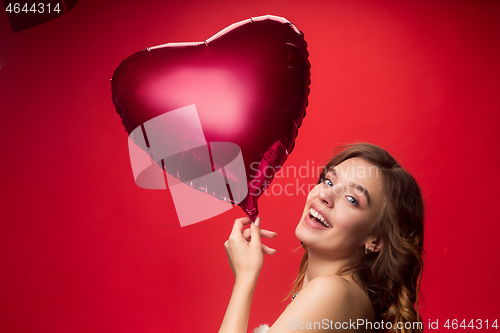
{"type": "Point", "coordinates": [325, 196]}
{"type": "Point", "coordinates": [328, 194]}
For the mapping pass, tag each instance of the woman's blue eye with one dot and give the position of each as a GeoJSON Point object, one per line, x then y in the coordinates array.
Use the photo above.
{"type": "Point", "coordinates": [327, 182]}
{"type": "Point", "coordinates": [352, 200]}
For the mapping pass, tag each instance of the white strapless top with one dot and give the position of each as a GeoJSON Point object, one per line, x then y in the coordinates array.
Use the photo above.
{"type": "Point", "coordinates": [263, 328]}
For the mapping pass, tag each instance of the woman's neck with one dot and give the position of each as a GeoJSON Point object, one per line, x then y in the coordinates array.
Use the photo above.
{"type": "Point", "coordinates": [319, 264]}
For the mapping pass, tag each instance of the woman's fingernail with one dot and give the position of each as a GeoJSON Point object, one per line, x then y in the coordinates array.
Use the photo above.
{"type": "Point", "coordinates": [275, 234]}
{"type": "Point", "coordinates": [257, 221]}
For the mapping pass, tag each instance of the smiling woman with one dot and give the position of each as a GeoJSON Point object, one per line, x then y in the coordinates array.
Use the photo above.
{"type": "Point", "coordinates": [362, 232]}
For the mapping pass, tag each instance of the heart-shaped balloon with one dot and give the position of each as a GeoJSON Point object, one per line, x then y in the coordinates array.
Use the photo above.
{"type": "Point", "coordinates": [249, 84]}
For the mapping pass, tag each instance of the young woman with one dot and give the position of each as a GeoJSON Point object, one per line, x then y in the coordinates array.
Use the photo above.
{"type": "Point", "coordinates": [362, 232]}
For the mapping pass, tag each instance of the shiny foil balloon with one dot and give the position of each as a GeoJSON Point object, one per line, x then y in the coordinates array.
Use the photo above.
{"type": "Point", "coordinates": [249, 85]}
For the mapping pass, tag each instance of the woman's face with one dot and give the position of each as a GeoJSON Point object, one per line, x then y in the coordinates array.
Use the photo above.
{"type": "Point", "coordinates": [341, 211]}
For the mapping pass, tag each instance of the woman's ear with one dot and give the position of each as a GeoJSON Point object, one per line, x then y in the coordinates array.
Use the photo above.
{"type": "Point", "coordinates": [374, 244]}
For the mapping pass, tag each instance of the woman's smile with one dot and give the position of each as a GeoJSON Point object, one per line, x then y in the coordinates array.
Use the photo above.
{"type": "Point", "coordinates": [317, 218]}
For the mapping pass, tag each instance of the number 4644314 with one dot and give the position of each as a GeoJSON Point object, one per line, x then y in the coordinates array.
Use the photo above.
{"type": "Point", "coordinates": [36, 8]}
{"type": "Point", "coordinates": [477, 324]}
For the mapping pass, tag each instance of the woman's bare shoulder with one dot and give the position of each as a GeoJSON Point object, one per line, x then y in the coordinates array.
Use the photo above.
{"type": "Point", "coordinates": [328, 284]}
{"type": "Point", "coordinates": [326, 299]}
{"type": "Point", "coordinates": [333, 290]}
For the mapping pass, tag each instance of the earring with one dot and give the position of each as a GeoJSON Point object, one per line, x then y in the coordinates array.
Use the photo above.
{"type": "Point", "coordinates": [367, 250]}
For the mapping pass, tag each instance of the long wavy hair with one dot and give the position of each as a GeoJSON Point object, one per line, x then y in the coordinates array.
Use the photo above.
{"type": "Point", "coordinates": [392, 275]}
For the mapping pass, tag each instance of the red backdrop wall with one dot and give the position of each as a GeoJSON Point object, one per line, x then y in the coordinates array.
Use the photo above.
{"type": "Point", "coordinates": [83, 249]}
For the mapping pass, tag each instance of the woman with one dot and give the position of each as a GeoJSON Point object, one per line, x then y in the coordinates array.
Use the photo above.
{"type": "Point", "coordinates": [362, 232]}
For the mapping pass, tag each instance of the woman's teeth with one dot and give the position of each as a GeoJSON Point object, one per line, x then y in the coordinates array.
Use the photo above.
{"type": "Point", "coordinates": [319, 217]}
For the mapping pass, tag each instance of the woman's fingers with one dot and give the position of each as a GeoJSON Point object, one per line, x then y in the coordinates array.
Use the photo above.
{"type": "Point", "coordinates": [237, 232]}
{"type": "Point", "coordinates": [239, 224]}
{"type": "Point", "coordinates": [255, 233]}
{"type": "Point", "coordinates": [263, 233]}
{"type": "Point", "coordinates": [267, 250]}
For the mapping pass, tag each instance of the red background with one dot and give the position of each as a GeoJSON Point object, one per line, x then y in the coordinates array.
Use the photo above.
{"type": "Point", "coordinates": [83, 249]}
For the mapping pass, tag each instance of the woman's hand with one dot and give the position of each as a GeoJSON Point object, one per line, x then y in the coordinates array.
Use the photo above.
{"type": "Point", "coordinates": [245, 253]}
{"type": "Point", "coordinates": [245, 250]}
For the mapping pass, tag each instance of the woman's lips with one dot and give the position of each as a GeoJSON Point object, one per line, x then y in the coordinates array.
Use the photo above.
{"type": "Point", "coordinates": [318, 213]}
{"type": "Point", "coordinates": [315, 218]}
{"type": "Point", "coordinates": [311, 222]}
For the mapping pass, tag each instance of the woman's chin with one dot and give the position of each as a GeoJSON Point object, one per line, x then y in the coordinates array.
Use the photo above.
{"type": "Point", "coordinates": [301, 232]}
{"type": "Point", "coordinates": [297, 232]}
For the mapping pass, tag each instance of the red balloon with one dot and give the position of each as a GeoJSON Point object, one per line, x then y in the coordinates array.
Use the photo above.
{"type": "Point", "coordinates": [249, 83]}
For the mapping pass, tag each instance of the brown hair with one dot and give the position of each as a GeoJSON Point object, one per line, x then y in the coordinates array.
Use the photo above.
{"type": "Point", "coordinates": [392, 275]}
